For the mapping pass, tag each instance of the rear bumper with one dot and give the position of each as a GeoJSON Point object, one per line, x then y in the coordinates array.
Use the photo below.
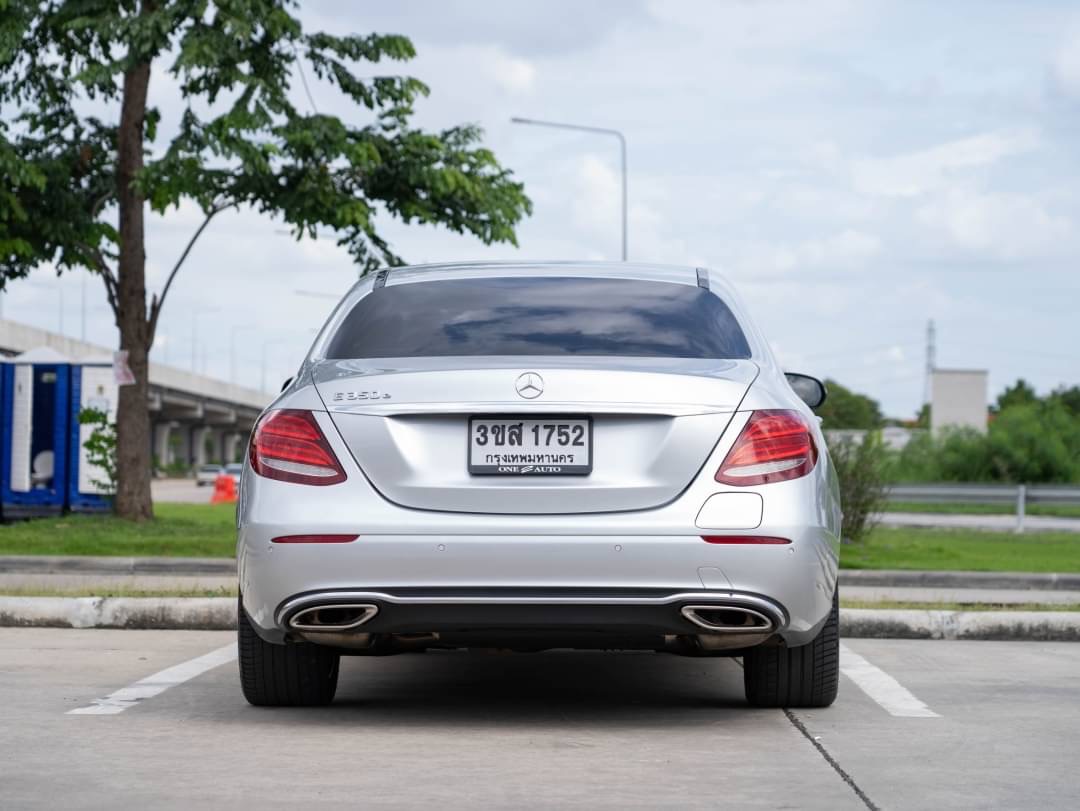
{"type": "Point", "coordinates": [525, 584]}
{"type": "Point", "coordinates": [411, 611]}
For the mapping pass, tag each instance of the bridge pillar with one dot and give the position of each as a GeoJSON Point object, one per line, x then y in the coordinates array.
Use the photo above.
{"type": "Point", "coordinates": [217, 441]}
{"type": "Point", "coordinates": [162, 445]}
{"type": "Point", "coordinates": [199, 436]}
{"type": "Point", "coordinates": [233, 446]}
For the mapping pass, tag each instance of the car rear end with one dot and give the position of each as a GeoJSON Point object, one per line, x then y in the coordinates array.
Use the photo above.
{"type": "Point", "coordinates": [537, 457]}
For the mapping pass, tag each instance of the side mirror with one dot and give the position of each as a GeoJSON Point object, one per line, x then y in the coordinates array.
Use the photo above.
{"type": "Point", "coordinates": [286, 384]}
{"type": "Point", "coordinates": [810, 390]}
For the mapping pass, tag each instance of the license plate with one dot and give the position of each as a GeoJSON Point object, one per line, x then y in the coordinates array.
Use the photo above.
{"type": "Point", "coordinates": [537, 446]}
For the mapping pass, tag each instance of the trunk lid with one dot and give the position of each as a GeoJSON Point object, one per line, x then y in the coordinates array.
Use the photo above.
{"type": "Point", "coordinates": [654, 423]}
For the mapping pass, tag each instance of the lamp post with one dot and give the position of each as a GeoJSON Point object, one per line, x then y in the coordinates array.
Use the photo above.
{"type": "Point", "coordinates": [600, 131]}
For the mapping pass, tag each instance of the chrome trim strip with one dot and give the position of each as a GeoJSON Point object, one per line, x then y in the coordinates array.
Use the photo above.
{"type": "Point", "coordinates": [718, 599]}
{"type": "Point", "coordinates": [525, 406]}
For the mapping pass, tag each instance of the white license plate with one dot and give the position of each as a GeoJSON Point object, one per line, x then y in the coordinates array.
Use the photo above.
{"type": "Point", "coordinates": [536, 446]}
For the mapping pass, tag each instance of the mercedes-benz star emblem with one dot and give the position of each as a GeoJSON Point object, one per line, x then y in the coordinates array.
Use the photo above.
{"type": "Point", "coordinates": [530, 385]}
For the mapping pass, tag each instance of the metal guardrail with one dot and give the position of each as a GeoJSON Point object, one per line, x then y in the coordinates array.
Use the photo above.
{"type": "Point", "coordinates": [1018, 494]}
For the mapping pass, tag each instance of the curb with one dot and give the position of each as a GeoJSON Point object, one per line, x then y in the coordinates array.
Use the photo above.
{"type": "Point", "coordinates": [150, 613]}
{"type": "Point", "coordinates": [55, 564]}
{"type": "Point", "coordinates": [1030, 626]}
{"type": "Point", "coordinates": [219, 614]}
{"type": "Point", "coordinates": [899, 578]}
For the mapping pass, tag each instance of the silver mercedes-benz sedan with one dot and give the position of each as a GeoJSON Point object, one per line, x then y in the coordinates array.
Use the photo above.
{"type": "Point", "coordinates": [536, 456]}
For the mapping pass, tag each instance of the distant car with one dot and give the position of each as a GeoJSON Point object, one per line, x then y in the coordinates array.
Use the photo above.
{"type": "Point", "coordinates": [602, 456]}
{"type": "Point", "coordinates": [235, 470]}
{"type": "Point", "coordinates": [207, 474]}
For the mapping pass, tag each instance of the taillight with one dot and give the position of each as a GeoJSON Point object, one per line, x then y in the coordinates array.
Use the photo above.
{"type": "Point", "coordinates": [774, 446]}
{"type": "Point", "coordinates": [288, 445]}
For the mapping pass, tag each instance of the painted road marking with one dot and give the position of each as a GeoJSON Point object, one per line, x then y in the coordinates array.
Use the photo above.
{"type": "Point", "coordinates": [883, 688]}
{"type": "Point", "coordinates": [158, 683]}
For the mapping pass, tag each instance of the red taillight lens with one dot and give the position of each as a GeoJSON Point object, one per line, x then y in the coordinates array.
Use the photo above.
{"type": "Point", "coordinates": [744, 539]}
{"type": "Point", "coordinates": [314, 539]}
{"type": "Point", "coordinates": [288, 445]}
{"type": "Point", "coordinates": [774, 446]}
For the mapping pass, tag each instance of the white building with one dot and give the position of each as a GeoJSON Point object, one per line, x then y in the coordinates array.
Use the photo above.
{"type": "Point", "coordinates": [958, 399]}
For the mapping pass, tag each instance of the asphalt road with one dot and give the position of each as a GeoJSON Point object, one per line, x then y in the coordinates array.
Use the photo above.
{"type": "Point", "coordinates": [918, 725]}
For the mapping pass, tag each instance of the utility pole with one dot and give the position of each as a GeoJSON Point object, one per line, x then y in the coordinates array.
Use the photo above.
{"type": "Point", "coordinates": [931, 358]}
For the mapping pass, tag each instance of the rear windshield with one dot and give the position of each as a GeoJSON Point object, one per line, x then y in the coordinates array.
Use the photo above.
{"type": "Point", "coordinates": [539, 316]}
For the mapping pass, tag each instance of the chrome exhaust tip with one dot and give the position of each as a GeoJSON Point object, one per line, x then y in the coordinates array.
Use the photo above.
{"type": "Point", "coordinates": [730, 619]}
{"type": "Point", "coordinates": [333, 617]}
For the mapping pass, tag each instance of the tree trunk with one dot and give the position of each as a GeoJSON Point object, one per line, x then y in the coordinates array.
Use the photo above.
{"type": "Point", "coordinates": [133, 415]}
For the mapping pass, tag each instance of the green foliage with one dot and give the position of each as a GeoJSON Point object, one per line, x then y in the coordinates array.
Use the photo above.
{"type": "Point", "coordinates": [241, 141]}
{"type": "Point", "coordinates": [1019, 393]}
{"type": "Point", "coordinates": [1027, 443]}
{"type": "Point", "coordinates": [860, 467]}
{"type": "Point", "coordinates": [1069, 398]}
{"type": "Point", "coordinates": [845, 409]}
{"type": "Point", "coordinates": [101, 447]}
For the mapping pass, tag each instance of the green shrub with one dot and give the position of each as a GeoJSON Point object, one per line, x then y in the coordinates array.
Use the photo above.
{"type": "Point", "coordinates": [101, 448]}
{"type": "Point", "coordinates": [861, 468]}
{"type": "Point", "coordinates": [1035, 443]}
{"type": "Point", "coordinates": [1029, 443]}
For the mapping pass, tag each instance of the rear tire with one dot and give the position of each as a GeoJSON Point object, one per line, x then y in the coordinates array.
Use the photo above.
{"type": "Point", "coordinates": [297, 674]}
{"type": "Point", "coordinates": [806, 676]}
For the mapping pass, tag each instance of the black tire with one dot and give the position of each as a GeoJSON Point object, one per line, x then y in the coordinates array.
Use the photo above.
{"type": "Point", "coordinates": [806, 676]}
{"type": "Point", "coordinates": [297, 674]}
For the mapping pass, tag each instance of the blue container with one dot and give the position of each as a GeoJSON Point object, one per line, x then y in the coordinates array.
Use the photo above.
{"type": "Point", "coordinates": [92, 386]}
{"type": "Point", "coordinates": [35, 418]}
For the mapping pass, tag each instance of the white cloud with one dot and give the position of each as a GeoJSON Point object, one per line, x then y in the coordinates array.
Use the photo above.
{"type": "Point", "coordinates": [997, 226]}
{"type": "Point", "coordinates": [1065, 67]}
{"type": "Point", "coordinates": [512, 74]}
{"type": "Point", "coordinates": [845, 250]}
{"type": "Point", "coordinates": [915, 173]}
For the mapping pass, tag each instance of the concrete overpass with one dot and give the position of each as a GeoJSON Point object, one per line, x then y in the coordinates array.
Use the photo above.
{"type": "Point", "coordinates": [195, 419]}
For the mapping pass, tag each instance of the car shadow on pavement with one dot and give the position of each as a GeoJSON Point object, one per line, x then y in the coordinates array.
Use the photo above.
{"type": "Point", "coordinates": [493, 688]}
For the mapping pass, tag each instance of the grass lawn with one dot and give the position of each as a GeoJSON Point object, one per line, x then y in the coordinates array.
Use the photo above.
{"type": "Point", "coordinates": [179, 530]}
{"type": "Point", "coordinates": [1057, 510]}
{"type": "Point", "coordinates": [964, 550]}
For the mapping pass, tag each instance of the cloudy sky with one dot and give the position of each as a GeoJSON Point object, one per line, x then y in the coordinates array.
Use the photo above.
{"type": "Point", "coordinates": [856, 168]}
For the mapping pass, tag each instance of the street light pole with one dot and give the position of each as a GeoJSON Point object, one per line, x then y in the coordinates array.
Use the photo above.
{"type": "Point", "coordinates": [601, 131]}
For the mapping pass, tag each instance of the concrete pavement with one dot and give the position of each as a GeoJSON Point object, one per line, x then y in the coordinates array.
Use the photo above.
{"type": "Point", "coordinates": [917, 725]}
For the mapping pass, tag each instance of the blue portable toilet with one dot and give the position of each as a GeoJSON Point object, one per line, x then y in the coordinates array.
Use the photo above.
{"type": "Point", "coordinates": [3, 419]}
{"type": "Point", "coordinates": [33, 467]}
{"type": "Point", "coordinates": [93, 385]}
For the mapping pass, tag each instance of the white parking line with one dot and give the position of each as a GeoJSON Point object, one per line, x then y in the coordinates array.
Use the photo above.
{"type": "Point", "coordinates": [158, 683]}
{"type": "Point", "coordinates": [883, 688]}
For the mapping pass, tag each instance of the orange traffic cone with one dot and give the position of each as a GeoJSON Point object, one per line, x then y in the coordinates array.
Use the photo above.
{"type": "Point", "coordinates": [224, 490]}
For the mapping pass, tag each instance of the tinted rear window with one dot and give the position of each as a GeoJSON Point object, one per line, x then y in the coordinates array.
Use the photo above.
{"type": "Point", "coordinates": [539, 316]}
